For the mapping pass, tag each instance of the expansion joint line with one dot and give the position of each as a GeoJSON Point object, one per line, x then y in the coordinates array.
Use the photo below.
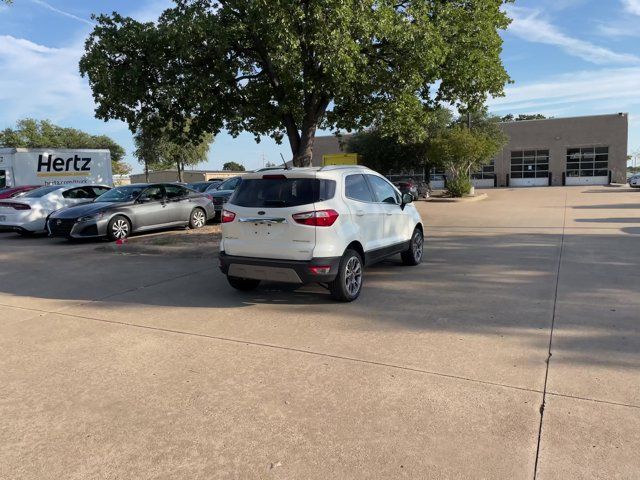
{"type": "Point", "coordinates": [553, 322]}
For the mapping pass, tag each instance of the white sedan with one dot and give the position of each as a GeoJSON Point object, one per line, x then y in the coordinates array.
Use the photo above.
{"type": "Point", "coordinates": [28, 214]}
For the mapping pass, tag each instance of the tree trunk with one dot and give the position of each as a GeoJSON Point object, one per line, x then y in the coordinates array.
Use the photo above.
{"type": "Point", "coordinates": [146, 170]}
{"type": "Point", "coordinates": [302, 157]}
{"type": "Point", "coordinates": [302, 144]}
{"type": "Point", "coordinates": [179, 171]}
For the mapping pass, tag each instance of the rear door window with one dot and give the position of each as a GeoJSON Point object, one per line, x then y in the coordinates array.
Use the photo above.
{"type": "Point", "coordinates": [282, 192]}
{"type": "Point", "coordinates": [356, 188]}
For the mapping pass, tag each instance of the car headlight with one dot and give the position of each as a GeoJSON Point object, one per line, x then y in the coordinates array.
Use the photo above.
{"type": "Point", "coordinates": [90, 218]}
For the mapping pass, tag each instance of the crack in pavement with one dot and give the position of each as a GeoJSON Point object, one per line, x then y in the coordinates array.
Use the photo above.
{"type": "Point", "coordinates": [553, 321]}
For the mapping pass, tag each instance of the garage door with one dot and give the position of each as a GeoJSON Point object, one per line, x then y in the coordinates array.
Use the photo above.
{"type": "Point", "coordinates": [485, 178]}
{"type": "Point", "coordinates": [529, 168]}
{"type": "Point", "coordinates": [587, 166]}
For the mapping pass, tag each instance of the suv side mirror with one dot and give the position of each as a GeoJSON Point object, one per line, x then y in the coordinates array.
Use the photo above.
{"type": "Point", "coordinates": [407, 198]}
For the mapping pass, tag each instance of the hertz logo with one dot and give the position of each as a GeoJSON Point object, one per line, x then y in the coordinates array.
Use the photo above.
{"type": "Point", "coordinates": [71, 164]}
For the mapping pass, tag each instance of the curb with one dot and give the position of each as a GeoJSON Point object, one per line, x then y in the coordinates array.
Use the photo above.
{"type": "Point", "coordinates": [469, 198]}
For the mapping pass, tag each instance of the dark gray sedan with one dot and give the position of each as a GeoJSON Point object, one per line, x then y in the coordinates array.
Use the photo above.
{"type": "Point", "coordinates": [132, 209]}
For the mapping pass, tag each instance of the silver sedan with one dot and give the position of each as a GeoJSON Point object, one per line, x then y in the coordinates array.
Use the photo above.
{"type": "Point", "coordinates": [133, 209]}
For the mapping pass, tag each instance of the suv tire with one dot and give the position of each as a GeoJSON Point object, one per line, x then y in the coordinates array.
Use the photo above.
{"type": "Point", "coordinates": [347, 285]}
{"type": "Point", "coordinates": [413, 255]}
{"type": "Point", "coordinates": [243, 284]}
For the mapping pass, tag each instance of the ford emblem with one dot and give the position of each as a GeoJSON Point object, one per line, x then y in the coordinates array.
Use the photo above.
{"type": "Point", "coordinates": [260, 212]}
{"type": "Point", "coordinates": [59, 222]}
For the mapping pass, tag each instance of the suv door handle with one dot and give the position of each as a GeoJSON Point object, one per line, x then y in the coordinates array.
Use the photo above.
{"type": "Point", "coordinates": [389, 213]}
{"type": "Point", "coordinates": [360, 213]}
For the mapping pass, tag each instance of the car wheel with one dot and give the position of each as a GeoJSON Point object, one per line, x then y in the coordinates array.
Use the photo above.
{"type": "Point", "coordinates": [26, 233]}
{"type": "Point", "coordinates": [119, 228]}
{"type": "Point", "coordinates": [347, 285]}
{"type": "Point", "coordinates": [243, 284]}
{"type": "Point", "coordinates": [197, 219]}
{"type": "Point", "coordinates": [413, 255]}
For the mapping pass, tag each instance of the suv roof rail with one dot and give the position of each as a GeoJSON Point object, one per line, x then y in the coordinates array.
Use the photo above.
{"type": "Point", "coordinates": [342, 167]}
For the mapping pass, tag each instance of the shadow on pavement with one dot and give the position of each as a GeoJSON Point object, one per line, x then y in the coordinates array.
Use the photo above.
{"type": "Point", "coordinates": [489, 284]}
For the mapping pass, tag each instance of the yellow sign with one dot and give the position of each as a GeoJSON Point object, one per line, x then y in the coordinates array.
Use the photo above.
{"type": "Point", "coordinates": [340, 159]}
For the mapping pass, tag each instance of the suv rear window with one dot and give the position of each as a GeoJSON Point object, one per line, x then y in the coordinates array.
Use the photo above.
{"type": "Point", "coordinates": [282, 192]}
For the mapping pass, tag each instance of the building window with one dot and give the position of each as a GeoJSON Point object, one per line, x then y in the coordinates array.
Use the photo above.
{"type": "Point", "coordinates": [530, 164]}
{"type": "Point", "coordinates": [488, 172]}
{"type": "Point", "coordinates": [588, 162]}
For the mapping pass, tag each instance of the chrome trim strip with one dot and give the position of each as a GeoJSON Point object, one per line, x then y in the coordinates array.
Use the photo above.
{"type": "Point", "coordinates": [263, 220]}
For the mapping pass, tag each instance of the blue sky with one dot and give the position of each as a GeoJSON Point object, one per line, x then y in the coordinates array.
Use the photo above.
{"type": "Point", "coordinates": [566, 57]}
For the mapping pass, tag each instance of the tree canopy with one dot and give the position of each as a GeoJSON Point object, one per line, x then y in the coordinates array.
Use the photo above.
{"type": "Point", "coordinates": [283, 68]}
{"type": "Point", "coordinates": [460, 151]}
{"type": "Point", "coordinates": [233, 166]}
{"type": "Point", "coordinates": [157, 150]}
{"type": "Point", "coordinates": [30, 133]}
{"type": "Point", "coordinates": [523, 116]}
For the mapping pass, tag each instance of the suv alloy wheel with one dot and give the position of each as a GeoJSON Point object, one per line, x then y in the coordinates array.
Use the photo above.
{"type": "Point", "coordinates": [348, 283]}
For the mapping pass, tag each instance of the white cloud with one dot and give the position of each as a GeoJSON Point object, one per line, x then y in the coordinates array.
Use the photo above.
{"type": "Point", "coordinates": [41, 81]}
{"type": "Point", "coordinates": [530, 26]}
{"type": "Point", "coordinates": [583, 89]}
{"type": "Point", "coordinates": [632, 6]}
{"type": "Point", "coordinates": [62, 12]}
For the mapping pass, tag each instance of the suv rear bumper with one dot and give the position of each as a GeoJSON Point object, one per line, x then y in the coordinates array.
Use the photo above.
{"type": "Point", "coordinates": [287, 271]}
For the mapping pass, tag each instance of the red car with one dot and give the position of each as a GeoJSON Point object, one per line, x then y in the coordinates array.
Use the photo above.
{"type": "Point", "coordinates": [13, 191]}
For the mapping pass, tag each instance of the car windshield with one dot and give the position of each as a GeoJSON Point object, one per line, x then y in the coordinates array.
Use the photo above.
{"type": "Point", "coordinates": [282, 192]}
{"type": "Point", "coordinates": [41, 192]}
{"type": "Point", "coordinates": [121, 194]}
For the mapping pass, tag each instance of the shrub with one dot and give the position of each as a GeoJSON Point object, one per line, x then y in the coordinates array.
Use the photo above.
{"type": "Point", "coordinates": [459, 186]}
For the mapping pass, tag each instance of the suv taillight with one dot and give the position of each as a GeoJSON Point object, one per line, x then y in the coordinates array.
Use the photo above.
{"type": "Point", "coordinates": [228, 216]}
{"type": "Point", "coordinates": [317, 218]}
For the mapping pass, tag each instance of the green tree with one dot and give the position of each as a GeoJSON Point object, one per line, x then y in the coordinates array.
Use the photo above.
{"type": "Point", "coordinates": [158, 150]}
{"type": "Point", "coordinates": [30, 133]}
{"type": "Point", "coordinates": [523, 116]}
{"type": "Point", "coordinates": [284, 68]}
{"type": "Point", "coordinates": [233, 166]}
{"type": "Point", "coordinates": [386, 153]}
{"type": "Point", "coordinates": [460, 151]}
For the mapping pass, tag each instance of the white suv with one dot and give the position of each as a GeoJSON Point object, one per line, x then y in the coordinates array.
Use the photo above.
{"type": "Point", "coordinates": [322, 225]}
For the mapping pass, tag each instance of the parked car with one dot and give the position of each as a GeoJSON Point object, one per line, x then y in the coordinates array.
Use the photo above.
{"type": "Point", "coordinates": [416, 188]}
{"type": "Point", "coordinates": [13, 192]}
{"type": "Point", "coordinates": [316, 225]}
{"type": "Point", "coordinates": [132, 209]}
{"type": "Point", "coordinates": [27, 213]}
{"type": "Point", "coordinates": [634, 181]}
{"type": "Point", "coordinates": [221, 195]}
{"type": "Point", "coordinates": [203, 187]}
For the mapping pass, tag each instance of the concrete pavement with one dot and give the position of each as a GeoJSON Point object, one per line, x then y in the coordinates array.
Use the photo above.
{"type": "Point", "coordinates": [142, 366]}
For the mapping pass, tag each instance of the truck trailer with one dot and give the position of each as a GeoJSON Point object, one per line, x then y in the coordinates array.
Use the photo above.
{"type": "Point", "coordinates": [54, 166]}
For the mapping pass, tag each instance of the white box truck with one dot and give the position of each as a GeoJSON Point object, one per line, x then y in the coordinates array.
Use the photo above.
{"type": "Point", "coordinates": [54, 166]}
